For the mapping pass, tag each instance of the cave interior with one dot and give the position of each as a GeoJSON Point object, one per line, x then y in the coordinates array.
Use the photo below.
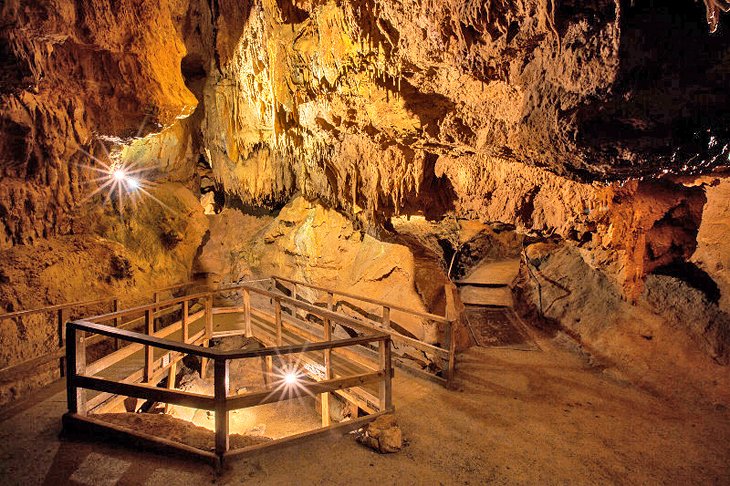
{"type": "Point", "coordinates": [491, 239]}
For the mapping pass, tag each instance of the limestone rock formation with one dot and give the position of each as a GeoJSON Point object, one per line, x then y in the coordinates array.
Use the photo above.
{"type": "Point", "coordinates": [311, 243]}
{"type": "Point", "coordinates": [601, 124]}
{"type": "Point", "coordinates": [713, 245]}
{"type": "Point", "coordinates": [382, 435]}
{"type": "Point", "coordinates": [670, 335]}
{"type": "Point", "coordinates": [128, 258]}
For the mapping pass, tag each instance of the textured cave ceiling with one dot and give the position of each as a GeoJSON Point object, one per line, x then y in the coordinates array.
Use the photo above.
{"type": "Point", "coordinates": [372, 106]}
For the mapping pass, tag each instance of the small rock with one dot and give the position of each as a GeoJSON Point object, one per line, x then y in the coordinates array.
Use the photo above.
{"type": "Point", "coordinates": [382, 435]}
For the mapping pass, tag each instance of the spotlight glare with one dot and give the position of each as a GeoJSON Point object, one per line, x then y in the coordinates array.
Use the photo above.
{"type": "Point", "coordinates": [132, 183]}
{"type": "Point", "coordinates": [291, 378]}
{"type": "Point", "coordinates": [119, 174]}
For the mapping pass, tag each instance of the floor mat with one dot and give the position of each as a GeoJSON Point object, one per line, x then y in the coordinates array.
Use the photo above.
{"type": "Point", "coordinates": [498, 327]}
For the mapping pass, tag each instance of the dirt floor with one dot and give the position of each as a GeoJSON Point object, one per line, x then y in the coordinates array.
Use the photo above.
{"type": "Point", "coordinates": [528, 417]}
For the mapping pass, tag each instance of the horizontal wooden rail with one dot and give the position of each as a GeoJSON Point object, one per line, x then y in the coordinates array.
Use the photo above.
{"type": "Point", "coordinates": [144, 339]}
{"type": "Point", "coordinates": [108, 360]}
{"type": "Point", "coordinates": [182, 285]}
{"type": "Point", "coordinates": [388, 305]}
{"type": "Point", "coordinates": [301, 389]}
{"type": "Point", "coordinates": [322, 312]}
{"type": "Point", "coordinates": [102, 399]}
{"type": "Point", "coordinates": [302, 348]}
{"type": "Point", "coordinates": [140, 338]}
{"type": "Point", "coordinates": [148, 392]}
{"type": "Point", "coordinates": [145, 307]}
{"type": "Point", "coordinates": [84, 303]}
{"type": "Point", "coordinates": [347, 321]}
{"type": "Point", "coordinates": [53, 308]}
{"type": "Point", "coordinates": [18, 370]}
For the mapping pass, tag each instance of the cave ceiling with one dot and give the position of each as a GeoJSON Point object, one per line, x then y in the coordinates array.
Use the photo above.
{"type": "Point", "coordinates": [371, 106]}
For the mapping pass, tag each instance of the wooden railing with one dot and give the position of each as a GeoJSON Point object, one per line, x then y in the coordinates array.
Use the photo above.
{"type": "Point", "coordinates": [445, 352]}
{"type": "Point", "coordinates": [63, 313]}
{"type": "Point", "coordinates": [141, 384]}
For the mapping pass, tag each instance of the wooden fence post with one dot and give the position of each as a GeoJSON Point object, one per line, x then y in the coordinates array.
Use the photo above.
{"type": "Point", "coordinates": [277, 317]}
{"type": "Point", "coordinates": [325, 401]}
{"type": "Point", "coordinates": [117, 322]}
{"type": "Point", "coordinates": [75, 365]}
{"type": "Point", "coordinates": [220, 381]}
{"type": "Point", "coordinates": [386, 317]}
{"type": "Point", "coordinates": [386, 386]}
{"type": "Point", "coordinates": [272, 284]}
{"type": "Point", "coordinates": [208, 331]}
{"type": "Point", "coordinates": [451, 367]}
{"type": "Point", "coordinates": [171, 375]}
{"type": "Point", "coordinates": [184, 321]}
{"type": "Point", "coordinates": [247, 312]}
{"type": "Point", "coordinates": [269, 371]}
{"type": "Point", "coordinates": [62, 318]}
{"type": "Point", "coordinates": [450, 334]}
{"type": "Point", "coordinates": [149, 319]}
{"type": "Point", "coordinates": [155, 309]}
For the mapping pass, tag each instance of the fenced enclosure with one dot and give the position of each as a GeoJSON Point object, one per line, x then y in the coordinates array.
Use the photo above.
{"type": "Point", "coordinates": [344, 366]}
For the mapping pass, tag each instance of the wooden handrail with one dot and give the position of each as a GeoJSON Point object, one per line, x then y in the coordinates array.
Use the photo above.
{"type": "Point", "coordinates": [84, 303]}
{"type": "Point", "coordinates": [322, 312]}
{"type": "Point", "coordinates": [327, 314]}
{"type": "Point", "coordinates": [211, 353]}
{"type": "Point", "coordinates": [149, 392]}
{"type": "Point", "coordinates": [421, 314]}
{"type": "Point", "coordinates": [140, 338]}
{"type": "Point", "coordinates": [52, 308]}
{"type": "Point", "coordinates": [303, 389]}
{"type": "Point", "coordinates": [145, 307]}
{"type": "Point", "coordinates": [181, 285]}
{"type": "Point", "coordinates": [349, 321]}
{"type": "Point", "coordinates": [303, 348]}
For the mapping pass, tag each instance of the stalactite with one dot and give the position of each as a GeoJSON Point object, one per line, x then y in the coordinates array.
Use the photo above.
{"type": "Point", "coordinates": [714, 8]}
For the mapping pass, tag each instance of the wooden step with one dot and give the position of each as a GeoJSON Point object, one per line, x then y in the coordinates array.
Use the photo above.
{"type": "Point", "coordinates": [486, 296]}
{"type": "Point", "coordinates": [494, 273]}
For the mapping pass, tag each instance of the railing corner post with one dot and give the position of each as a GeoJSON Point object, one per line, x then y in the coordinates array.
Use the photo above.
{"type": "Point", "coordinates": [220, 380]}
{"type": "Point", "coordinates": [386, 385]}
{"type": "Point", "coordinates": [62, 318]}
{"type": "Point", "coordinates": [451, 366]}
{"type": "Point", "coordinates": [75, 365]}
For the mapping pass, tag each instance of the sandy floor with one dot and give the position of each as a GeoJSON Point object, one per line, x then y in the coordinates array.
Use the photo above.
{"type": "Point", "coordinates": [520, 417]}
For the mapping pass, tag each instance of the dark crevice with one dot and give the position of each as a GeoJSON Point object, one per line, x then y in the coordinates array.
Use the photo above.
{"type": "Point", "coordinates": [693, 276]}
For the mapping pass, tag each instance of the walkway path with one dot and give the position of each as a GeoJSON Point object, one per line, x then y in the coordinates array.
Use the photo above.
{"type": "Point", "coordinates": [487, 295]}
{"type": "Point", "coordinates": [530, 418]}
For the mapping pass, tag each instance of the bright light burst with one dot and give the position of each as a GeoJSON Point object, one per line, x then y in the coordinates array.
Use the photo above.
{"type": "Point", "coordinates": [289, 379]}
{"type": "Point", "coordinates": [124, 182]}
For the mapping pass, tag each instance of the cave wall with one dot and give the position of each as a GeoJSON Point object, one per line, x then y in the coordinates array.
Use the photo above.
{"type": "Point", "coordinates": [671, 339]}
{"type": "Point", "coordinates": [311, 243]}
{"type": "Point", "coordinates": [713, 246]}
{"type": "Point", "coordinates": [511, 113]}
